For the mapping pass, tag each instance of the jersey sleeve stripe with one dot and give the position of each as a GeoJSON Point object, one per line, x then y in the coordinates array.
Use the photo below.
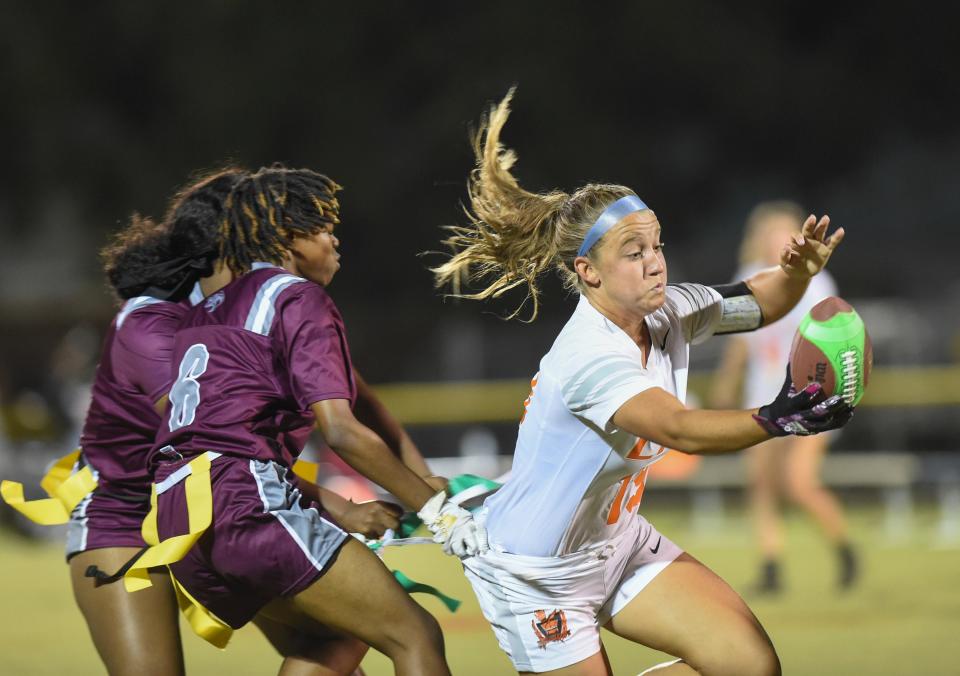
{"type": "Point", "coordinates": [584, 371]}
{"type": "Point", "coordinates": [262, 310]}
{"type": "Point", "coordinates": [614, 372]}
{"type": "Point", "coordinates": [616, 380]}
{"type": "Point", "coordinates": [688, 296]}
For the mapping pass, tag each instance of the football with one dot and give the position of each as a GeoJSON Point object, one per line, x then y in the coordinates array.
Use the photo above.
{"type": "Point", "coordinates": [832, 347]}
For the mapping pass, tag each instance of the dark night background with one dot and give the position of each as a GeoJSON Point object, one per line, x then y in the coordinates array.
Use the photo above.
{"type": "Point", "coordinates": [703, 109]}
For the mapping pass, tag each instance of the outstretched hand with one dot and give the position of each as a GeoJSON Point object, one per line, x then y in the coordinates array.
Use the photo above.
{"type": "Point", "coordinates": [803, 413]}
{"type": "Point", "coordinates": [809, 251]}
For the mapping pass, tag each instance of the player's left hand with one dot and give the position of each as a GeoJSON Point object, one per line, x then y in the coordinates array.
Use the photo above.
{"type": "Point", "coordinates": [453, 527]}
{"type": "Point", "coordinates": [371, 519]}
{"type": "Point", "coordinates": [809, 251]}
{"type": "Point", "coordinates": [803, 413]}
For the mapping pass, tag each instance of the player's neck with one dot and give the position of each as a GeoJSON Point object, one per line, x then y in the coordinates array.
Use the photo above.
{"type": "Point", "coordinates": [635, 327]}
{"type": "Point", "coordinates": [222, 275]}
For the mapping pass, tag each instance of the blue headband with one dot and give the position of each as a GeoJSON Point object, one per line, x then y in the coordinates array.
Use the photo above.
{"type": "Point", "coordinates": [609, 218]}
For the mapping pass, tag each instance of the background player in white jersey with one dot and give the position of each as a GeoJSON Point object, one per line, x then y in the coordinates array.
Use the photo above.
{"type": "Point", "coordinates": [789, 465]}
{"type": "Point", "coordinates": [569, 551]}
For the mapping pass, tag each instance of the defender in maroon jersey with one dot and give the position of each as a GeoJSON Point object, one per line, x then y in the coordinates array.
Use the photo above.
{"type": "Point", "coordinates": [260, 362]}
{"type": "Point", "coordinates": [153, 266]}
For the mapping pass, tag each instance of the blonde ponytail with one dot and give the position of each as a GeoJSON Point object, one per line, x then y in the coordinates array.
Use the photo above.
{"type": "Point", "coordinates": [515, 235]}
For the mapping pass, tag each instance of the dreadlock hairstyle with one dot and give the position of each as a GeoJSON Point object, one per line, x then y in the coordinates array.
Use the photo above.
{"type": "Point", "coordinates": [164, 260]}
{"type": "Point", "coordinates": [267, 210]}
{"type": "Point", "coordinates": [514, 235]}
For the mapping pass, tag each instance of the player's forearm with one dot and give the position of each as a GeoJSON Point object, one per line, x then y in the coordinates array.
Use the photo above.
{"type": "Point", "coordinates": [704, 432]}
{"type": "Point", "coordinates": [776, 292]}
{"type": "Point", "coordinates": [657, 415]}
{"type": "Point", "coordinates": [366, 452]}
{"type": "Point", "coordinates": [333, 503]}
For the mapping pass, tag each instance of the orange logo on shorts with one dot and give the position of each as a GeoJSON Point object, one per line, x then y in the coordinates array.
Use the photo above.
{"type": "Point", "coordinates": [549, 628]}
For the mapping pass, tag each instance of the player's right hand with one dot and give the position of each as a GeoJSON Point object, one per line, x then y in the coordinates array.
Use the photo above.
{"type": "Point", "coordinates": [370, 519]}
{"type": "Point", "coordinates": [453, 527]}
{"type": "Point", "coordinates": [803, 413]}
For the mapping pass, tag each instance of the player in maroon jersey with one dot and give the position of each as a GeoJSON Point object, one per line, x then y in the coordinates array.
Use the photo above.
{"type": "Point", "coordinates": [136, 633]}
{"type": "Point", "coordinates": [259, 363]}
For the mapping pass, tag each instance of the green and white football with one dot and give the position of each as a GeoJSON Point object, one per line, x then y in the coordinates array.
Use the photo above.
{"type": "Point", "coordinates": [832, 347]}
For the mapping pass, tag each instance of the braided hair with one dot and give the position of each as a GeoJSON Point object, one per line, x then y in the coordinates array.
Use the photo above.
{"type": "Point", "coordinates": [165, 259]}
{"type": "Point", "coordinates": [267, 210]}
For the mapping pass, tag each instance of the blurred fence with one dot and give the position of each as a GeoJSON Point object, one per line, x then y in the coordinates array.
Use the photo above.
{"type": "Point", "coordinates": [501, 400]}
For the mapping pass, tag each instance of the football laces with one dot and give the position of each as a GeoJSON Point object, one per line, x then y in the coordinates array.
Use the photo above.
{"type": "Point", "coordinates": [850, 375]}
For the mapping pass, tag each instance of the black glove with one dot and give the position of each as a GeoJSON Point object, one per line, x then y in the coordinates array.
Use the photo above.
{"type": "Point", "coordinates": [803, 413]}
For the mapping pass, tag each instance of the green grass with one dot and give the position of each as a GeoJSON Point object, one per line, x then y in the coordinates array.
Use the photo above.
{"type": "Point", "coordinates": [904, 618]}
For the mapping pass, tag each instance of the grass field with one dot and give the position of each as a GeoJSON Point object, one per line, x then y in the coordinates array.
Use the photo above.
{"type": "Point", "coordinates": [904, 618]}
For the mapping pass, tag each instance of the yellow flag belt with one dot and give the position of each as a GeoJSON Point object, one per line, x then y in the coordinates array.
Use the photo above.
{"type": "Point", "coordinates": [66, 491]}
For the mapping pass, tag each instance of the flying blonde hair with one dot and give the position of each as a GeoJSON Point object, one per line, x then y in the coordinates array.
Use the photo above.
{"type": "Point", "coordinates": [515, 235]}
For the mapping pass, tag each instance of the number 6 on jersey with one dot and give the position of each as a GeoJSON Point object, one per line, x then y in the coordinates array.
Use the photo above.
{"type": "Point", "coordinates": [185, 393]}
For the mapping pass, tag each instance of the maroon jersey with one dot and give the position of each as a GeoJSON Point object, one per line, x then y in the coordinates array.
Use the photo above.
{"type": "Point", "coordinates": [134, 372]}
{"type": "Point", "coordinates": [248, 363]}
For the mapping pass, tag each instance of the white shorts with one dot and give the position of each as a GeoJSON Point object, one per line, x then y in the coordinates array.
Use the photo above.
{"type": "Point", "coordinates": [546, 612]}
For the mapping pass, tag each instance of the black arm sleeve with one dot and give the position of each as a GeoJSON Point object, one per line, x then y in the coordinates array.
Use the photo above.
{"type": "Point", "coordinates": [732, 290]}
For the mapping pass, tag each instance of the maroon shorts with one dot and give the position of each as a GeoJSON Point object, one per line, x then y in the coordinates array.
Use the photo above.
{"type": "Point", "coordinates": [108, 517]}
{"type": "Point", "coordinates": [263, 543]}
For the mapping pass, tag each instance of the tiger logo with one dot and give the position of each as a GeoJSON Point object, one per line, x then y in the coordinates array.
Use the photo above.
{"type": "Point", "coordinates": [549, 628]}
{"type": "Point", "coordinates": [214, 301]}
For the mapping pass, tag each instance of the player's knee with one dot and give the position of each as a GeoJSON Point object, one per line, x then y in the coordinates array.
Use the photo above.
{"type": "Point", "coordinates": [420, 632]}
{"type": "Point", "coordinates": [750, 654]}
{"type": "Point", "coordinates": [800, 492]}
{"type": "Point", "coordinates": [431, 633]}
{"type": "Point", "coordinates": [757, 657]}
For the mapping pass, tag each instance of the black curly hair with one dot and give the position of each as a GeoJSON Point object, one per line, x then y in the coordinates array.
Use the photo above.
{"type": "Point", "coordinates": [165, 259]}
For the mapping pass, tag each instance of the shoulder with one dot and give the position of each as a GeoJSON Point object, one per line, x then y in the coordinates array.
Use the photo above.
{"type": "Point", "coordinates": [747, 270]}
{"type": "Point", "coordinates": [581, 342]}
{"type": "Point", "coordinates": [264, 293]}
{"type": "Point", "coordinates": [146, 325]}
{"type": "Point", "coordinates": [146, 314]}
{"type": "Point", "coordinates": [687, 297]}
{"type": "Point", "coordinates": [822, 285]}
{"type": "Point", "coordinates": [307, 296]}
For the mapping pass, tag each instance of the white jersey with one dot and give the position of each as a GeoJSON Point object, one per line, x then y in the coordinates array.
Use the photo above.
{"type": "Point", "coordinates": [769, 347]}
{"type": "Point", "coordinates": [577, 479]}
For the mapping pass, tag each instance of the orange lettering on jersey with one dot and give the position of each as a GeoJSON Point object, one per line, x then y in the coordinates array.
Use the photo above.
{"type": "Point", "coordinates": [639, 483]}
{"type": "Point", "coordinates": [636, 453]}
{"type": "Point", "coordinates": [614, 515]}
{"type": "Point", "coordinates": [635, 483]}
{"type": "Point", "coordinates": [526, 402]}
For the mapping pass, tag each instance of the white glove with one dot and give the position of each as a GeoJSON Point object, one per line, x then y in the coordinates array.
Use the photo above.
{"type": "Point", "coordinates": [453, 527]}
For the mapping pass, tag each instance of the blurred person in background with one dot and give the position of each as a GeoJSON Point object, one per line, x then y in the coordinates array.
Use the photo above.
{"type": "Point", "coordinates": [570, 551]}
{"type": "Point", "coordinates": [786, 466]}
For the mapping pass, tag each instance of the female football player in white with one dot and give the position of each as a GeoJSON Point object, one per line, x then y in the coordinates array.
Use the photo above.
{"type": "Point", "coordinates": [791, 465]}
{"type": "Point", "coordinates": [569, 550]}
